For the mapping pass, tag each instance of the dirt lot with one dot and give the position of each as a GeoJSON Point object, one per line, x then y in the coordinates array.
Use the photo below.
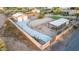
{"type": "Point", "coordinates": [12, 43]}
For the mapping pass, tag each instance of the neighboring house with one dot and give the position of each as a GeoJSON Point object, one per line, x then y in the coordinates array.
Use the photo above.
{"type": "Point", "coordinates": [19, 16]}
{"type": "Point", "coordinates": [1, 9]}
{"type": "Point", "coordinates": [69, 11]}
{"type": "Point", "coordinates": [66, 10]}
{"type": "Point", "coordinates": [36, 10]}
{"type": "Point", "coordinates": [72, 12]}
{"type": "Point", "coordinates": [34, 13]}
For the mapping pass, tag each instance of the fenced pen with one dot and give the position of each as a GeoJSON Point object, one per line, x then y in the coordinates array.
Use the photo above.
{"type": "Point", "coordinates": [35, 42]}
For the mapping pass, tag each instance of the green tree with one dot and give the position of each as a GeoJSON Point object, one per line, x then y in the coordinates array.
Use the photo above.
{"type": "Point", "coordinates": [11, 10]}
{"type": "Point", "coordinates": [56, 10]}
{"type": "Point", "coordinates": [41, 15]}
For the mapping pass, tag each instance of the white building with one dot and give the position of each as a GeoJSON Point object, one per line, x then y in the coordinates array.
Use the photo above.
{"type": "Point", "coordinates": [20, 16]}
{"type": "Point", "coordinates": [58, 24]}
{"type": "Point", "coordinates": [69, 11]}
{"type": "Point", "coordinates": [1, 8]}
{"type": "Point", "coordinates": [36, 10]}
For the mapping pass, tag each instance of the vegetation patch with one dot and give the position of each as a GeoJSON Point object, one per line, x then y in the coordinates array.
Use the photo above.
{"type": "Point", "coordinates": [56, 17]}
{"type": "Point", "coordinates": [2, 45]}
{"type": "Point", "coordinates": [75, 27]}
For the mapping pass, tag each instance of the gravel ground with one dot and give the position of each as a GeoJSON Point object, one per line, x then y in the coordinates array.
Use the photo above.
{"type": "Point", "coordinates": [15, 45]}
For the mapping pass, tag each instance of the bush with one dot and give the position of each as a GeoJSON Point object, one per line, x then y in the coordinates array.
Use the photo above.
{"type": "Point", "coordinates": [64, 14]}
{"type": "Point", "coordinates": [59, 32]}
{"type": "Point", "coordinates": [40, 16]}
{"type": "Point", "coordinates": [75, 27]}
{"type": "Point", "coordinates": [2, 45]}
{"type": "Point", "coordinates": [35, 38]}
{"type": "Point", "coordinates": [11, 10]}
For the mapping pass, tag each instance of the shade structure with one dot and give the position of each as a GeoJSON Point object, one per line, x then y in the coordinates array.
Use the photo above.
{"type": "Point", "coordinates": [59, 22]}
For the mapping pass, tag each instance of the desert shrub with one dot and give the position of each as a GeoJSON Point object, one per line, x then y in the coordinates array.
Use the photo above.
{"type": "Point", "coordinates": [75, 27]}
{"type": "Point", "coordinates": [2, 45]}
{"type": "Point", "coordinates": [41, 15]}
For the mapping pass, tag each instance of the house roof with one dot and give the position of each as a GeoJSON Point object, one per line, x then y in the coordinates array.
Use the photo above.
{"type": "Point", "coordinates": [20, 16]}
{"type": "Point", "coordinates": [17, 14]}
{"type": "Point", "coordinates": [59, 22]}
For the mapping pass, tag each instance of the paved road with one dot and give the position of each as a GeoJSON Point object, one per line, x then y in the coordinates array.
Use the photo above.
{"type": "Point", "coordinates": [70, 44]}
{"type": "Point", "coordinates": [73, 44]}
